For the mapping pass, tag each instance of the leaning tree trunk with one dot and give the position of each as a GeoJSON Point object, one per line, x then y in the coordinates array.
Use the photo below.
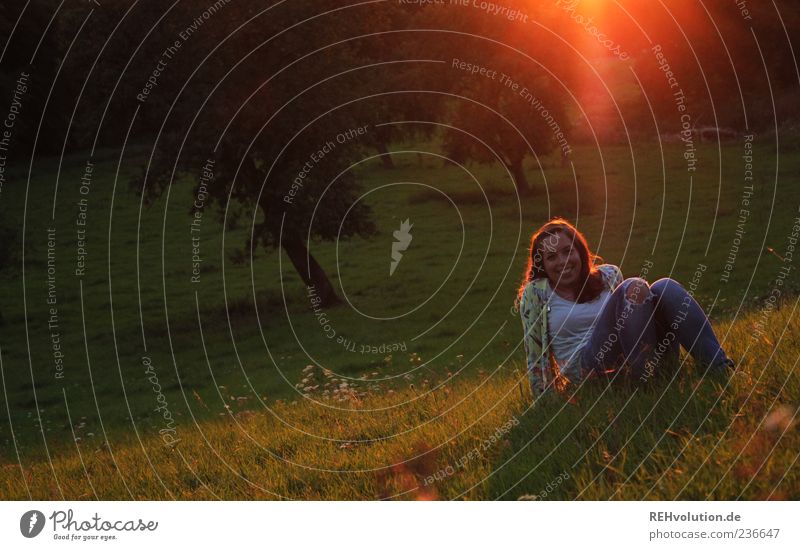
{"type": "Point", "coordinates": [310, 271]}
{"type": "Point", "coordinates": [518, 173]}
{"type": "Point", "coordinates": [386, 157]}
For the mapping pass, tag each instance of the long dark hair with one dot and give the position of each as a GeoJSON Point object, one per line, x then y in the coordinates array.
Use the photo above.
{"type": "Point", "coordinates": [590, 282]}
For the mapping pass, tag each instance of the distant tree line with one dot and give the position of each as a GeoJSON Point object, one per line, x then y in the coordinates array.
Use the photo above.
{"type": "Point", "coordinates": [260, 89]}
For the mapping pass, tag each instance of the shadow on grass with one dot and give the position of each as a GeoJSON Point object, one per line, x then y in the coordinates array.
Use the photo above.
{"type": "Point", "coordinates": [586, 443]}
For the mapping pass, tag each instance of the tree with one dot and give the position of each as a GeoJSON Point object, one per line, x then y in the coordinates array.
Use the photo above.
{"type": "Point", "coordinates": [721, 82]}
{"type": "Point", "coordinates": [289, 129]}
{"type": "Point", "coordinates": [514, 115]}
{"type": "Point", "coordinates": [501, 73]}
{"type": "Point", "coordinates": [29, 22]}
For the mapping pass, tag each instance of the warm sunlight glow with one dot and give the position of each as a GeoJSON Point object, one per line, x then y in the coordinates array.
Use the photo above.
{"type": "Point", "coordinates": [588, 7]}
{"type": "Point", "coordinates": [601, 52]}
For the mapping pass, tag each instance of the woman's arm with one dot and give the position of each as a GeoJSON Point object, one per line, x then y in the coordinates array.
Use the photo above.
{"type": "Point", "coordinates": [530, 310]}
{"type": "Point", "coordinates": [613, 274]}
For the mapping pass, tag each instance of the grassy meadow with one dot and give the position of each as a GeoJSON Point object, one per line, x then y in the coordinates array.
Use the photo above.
{"type": "Point", "coordinates": [425, 395]}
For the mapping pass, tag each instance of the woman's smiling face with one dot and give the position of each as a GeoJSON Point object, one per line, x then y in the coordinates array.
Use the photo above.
{"type": "Point", "coordinates": [561, 261]}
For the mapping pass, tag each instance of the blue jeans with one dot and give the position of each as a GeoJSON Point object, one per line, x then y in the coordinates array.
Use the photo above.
{"type": "Point", "coordinates": [645, 325]}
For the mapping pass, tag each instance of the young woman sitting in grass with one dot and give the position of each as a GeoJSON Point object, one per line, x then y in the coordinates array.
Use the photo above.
{"type": "Point", "coordinates": [589, 321]}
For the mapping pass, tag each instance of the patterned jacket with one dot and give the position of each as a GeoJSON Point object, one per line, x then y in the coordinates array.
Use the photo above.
{"type": "Point", "coordinates": [533, 307]}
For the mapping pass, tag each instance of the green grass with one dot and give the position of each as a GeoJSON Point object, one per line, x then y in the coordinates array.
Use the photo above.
{"type": "Point", "coordinates": [245, 428]}
{"type": "Point", "coordinates": [686, 436]}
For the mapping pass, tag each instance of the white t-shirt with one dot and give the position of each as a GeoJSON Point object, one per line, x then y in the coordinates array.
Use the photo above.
{"type": "Point", "coordinates": [570, 325]}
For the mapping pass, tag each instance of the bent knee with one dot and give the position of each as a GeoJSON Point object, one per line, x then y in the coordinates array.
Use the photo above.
{"type": "Point", "coordinates": [636, 290]}
{"type": "Point", "coordinates": [665, 284]}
